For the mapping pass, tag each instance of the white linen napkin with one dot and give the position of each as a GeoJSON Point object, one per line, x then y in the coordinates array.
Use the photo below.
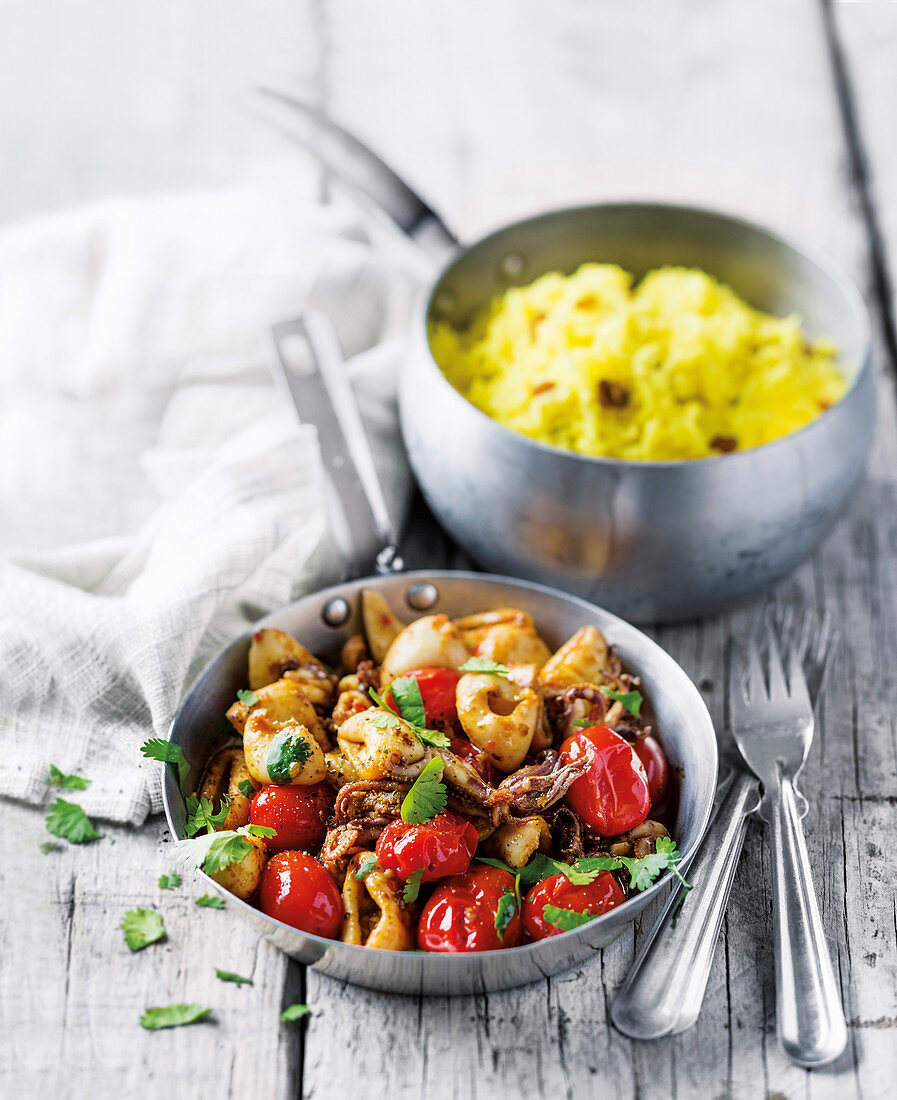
{"type": "Point", "coordinates": [155, 498]}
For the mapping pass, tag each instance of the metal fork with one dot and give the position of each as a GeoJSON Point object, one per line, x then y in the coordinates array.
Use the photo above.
{"type": "Point", "coordinates": [665, 987]}
{"type": "Point", "coordinates": [772, 722]}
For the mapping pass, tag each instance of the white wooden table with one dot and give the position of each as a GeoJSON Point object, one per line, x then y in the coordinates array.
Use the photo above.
{"type": "Point", "coordinates": [784, 109]}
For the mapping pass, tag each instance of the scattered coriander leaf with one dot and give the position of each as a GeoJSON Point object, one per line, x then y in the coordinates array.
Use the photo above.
{"type": "Point", "coordinates": [596, 864]}
{"type": "Point", "coordinates": [405, 691]}
{"type": "Point", "coordinates": [247, 698]}
{"type": "Point", "coordinates": [427, 796]}
{"type": "Point", "coordinates": [566, 919]}
{"type": "Point", "coordinates": [246, 788]}
{"type": "Point", "coordinates": [289, 751]}
{"type": "Point", "coordinates": [215, 851]}
{"type": "Point", "coordinates": [203, 816]}
{"type": "Point", "coordinates": [227, 976]}
{"type": "Point", "coordinates": [541, 867]}
{"type": "Point", "coordinates": [67, 782]}
{"type": "Point", "coordinates": [49, 846]}
{"type": "Point", "coordinates": [412, 886]}
{"type": "Point", "coordinates": [169, 882]}
{"type": "Point", "coordinates": [582, 723]}
{"type": "Point", "coordinates": [208, 901]}
{"type": "Point", "coordinates": [167, 753]}
{"type": "Point", "coordinates": [644, 871]}
{"type": "Point", "coordinates": [387, 718]}
{"type": "Point", "coordinates": [141, 928]}
{"type": "Point", "coordinates": [365, 867]}
{"type": "Point", "coordinates": [173, 1016]}
{"type": "Point", "coordinates": [294, 1012]}
{"type": "Point", "coordinates": [631, 700]}
{"type": "Point", "coordinates": [68, 820]}
{"type": "Point", "coordinates": [505, 913]}
{"type": "Point", "coordinates": [483, 664]}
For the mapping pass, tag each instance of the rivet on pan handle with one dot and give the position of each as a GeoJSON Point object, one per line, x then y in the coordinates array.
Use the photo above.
{"type": "Point", "coordinates": [318, 387]}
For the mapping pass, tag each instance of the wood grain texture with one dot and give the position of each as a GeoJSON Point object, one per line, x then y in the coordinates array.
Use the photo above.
{"type": "Point", "coordinates": [492, 110]}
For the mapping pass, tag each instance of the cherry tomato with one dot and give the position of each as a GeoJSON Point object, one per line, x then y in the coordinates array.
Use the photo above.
{"type": "Point", "coordinates": [298, 814]}
{"type": "Point", "coordinates": [656, 767]}
{"type": "Point", "coordinates": [439, 848]}
{"type": "Point", "coordinates": [461, 913]}
{"type": "Point", "coordinates": [437, 689]}
{"type": "Point", "coordinates": [298, 890]}
{"type": "Point", "coordinates": [612, 796]}
{"type": "Point", "coordinates": [597, 897]}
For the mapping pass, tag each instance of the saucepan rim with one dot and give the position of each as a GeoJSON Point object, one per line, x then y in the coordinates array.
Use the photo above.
{"type": "Point", "coordinates": [801, 248]}
{"type": "Point", "coordinates": [701, 716]}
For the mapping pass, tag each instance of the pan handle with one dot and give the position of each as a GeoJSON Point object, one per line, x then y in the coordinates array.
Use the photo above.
{"type": "Point", "coordinates": [360, 169]}
{"type": "Point", "coordinates": [318, 387]}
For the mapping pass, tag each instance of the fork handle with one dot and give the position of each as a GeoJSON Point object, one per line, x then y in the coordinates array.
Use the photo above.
{"type": "Point", "coordinates": [809, 1020]}
{"type": "Point", "coordinates": [665, 988]}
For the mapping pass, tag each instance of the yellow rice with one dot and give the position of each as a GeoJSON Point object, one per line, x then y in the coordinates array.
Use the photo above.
{"type": "Point", "coordinates": [677, 367]}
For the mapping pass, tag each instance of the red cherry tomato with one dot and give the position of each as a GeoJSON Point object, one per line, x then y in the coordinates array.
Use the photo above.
{"type": "Point", "coordinates": [298, 814]}
{"type": "Point", "coordinates": [612, 796]}
{"type": "Point", "coordinates": [597, 897]}
{"type": "Point", "coordinates": [437, 689]}
{"type": "Point", "coordinates": [461, 912]}
{"type": "Point", "coordinates": [656, 767]}
{"type": "Point", "coordinates": [439, 848]}
{"type": "Point", "coordinates": [298, 890]}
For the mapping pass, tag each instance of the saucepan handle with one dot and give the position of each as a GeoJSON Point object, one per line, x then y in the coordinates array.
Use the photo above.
{"type": "Point", "coordinates": [368, 176]}
{"type": "Point", "coordinates": [313, 377]}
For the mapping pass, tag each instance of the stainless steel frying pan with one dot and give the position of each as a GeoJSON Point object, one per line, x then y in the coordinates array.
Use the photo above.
{"type": "Point", "coordinates": [323, 620]}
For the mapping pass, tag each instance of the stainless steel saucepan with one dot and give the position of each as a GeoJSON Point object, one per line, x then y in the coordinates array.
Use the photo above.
{"type": "Point", "coordinates": [652, 541]}
{"type": "Point", "coordinates": [323, 620]}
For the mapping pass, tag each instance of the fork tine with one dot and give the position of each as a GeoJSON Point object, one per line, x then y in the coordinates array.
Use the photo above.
{"type": "Point", "coordinates": [797, 682]}
{"type": "Point", "coordinates": [737, 692]}
{"type": "Point", "coordinates": [821, 656]}
{"type": "Point", "coordinates": [755, 680]}
{"type": "Point", "coordinates": [778, 688]}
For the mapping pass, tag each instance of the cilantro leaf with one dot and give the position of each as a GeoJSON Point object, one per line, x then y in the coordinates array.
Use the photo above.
{"type": "Point", "coordinates": [141, 928]}
{"type": "Point", "coordinates": [48, 846]}
{"type": "Point", "coordinates": [505, 913]}
{"type": "Point", "coordinates": [631, 700]}
{"type": "Point", "coordinates": [582, 723]}
{"type": "Point", "coordinates": [388, 719]}
{"type": "Point", "coordinates": [214, 851]}
{"type": "Point", "coordinates": [412, 886]}
{"type": "Point", "coordinates": [173, 1016]}
{"type": "Point", "coordinates": [247, 698]}
{"type": "Point", "coordinates": [227, 976]}
{"type": "Point", "coordinates": [292, 1013]}
{"type": "Point", "coordinates": [246, 788]}
{"type": "Point", "coordinates": [483, 664]}
{"type": "Point", "coordinates": [541, 867]}
{"type": "Point", "coordinates": [67, 782]}
{"type": "Point", "coordinates": [594, 865]}
{"type": "Point", "coordinates": [405, 691]}
{"type": "Point", "coordinates": [289, 751]}
{"type": "Point", "coordinates": [427, 796]}
{"type": "Point", "coordinates": [167, 753]}
{"type": "Point", "coordinates": [203, 816]}
{"type": "Point", "coordinates": [566, 919]}
{"type": "Point", "coordinates": [207, 901]}
{"type": "Point", "coordinates": [68, 820]}
{"type": "Point", "coordinates": [365, 867]}
{"type": "Point", "coordinates": [169, 882]}
{"type": "Point", "coordinates": [643, 872]}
